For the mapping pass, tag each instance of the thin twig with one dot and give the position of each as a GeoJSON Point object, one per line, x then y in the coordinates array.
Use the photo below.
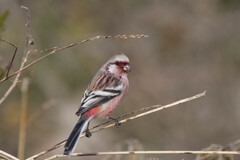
{"type": "Point", "coordinates": [157, 108]}
{"type": "Point", "coordinates": [44, 50]}
{"type": "Point", "coordinates": [7, 156]}
{"type": "Point", "coordinates": [14, 54]}
{"type": "Point", "coordinates": [55, 49]}
{"type": "Point", "coordinates": [145, 152]}
{"type": "Point", "coordinates": [24, 58]}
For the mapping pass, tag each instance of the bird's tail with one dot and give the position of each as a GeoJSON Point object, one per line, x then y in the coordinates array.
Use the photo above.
{"type": "Point", "coordinates": [75, 134]}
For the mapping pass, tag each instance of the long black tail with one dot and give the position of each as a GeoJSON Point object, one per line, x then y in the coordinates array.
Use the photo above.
{"type": "Point", "coordinates": [75, 134]}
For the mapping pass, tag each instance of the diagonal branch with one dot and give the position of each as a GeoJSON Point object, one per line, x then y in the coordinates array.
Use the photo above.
{"type": "Point", "coordinates": [14, 54]}
{"type": "Point", "coordinates": [156, 108]}
{"type": "Point", "coordinates": [144, 152]}
{"type": "Point", "coordinates": [55, 49]}
{"type": "Point", "coordinates": [24, 58]}
{"type": "Point", "coordinates": [6, 155]}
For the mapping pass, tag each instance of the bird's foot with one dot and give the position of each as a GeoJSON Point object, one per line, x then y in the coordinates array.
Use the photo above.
{"type": "Point", "coordinates": [88, 133]}
{"type": "Point", "coordinates": [117, 123]}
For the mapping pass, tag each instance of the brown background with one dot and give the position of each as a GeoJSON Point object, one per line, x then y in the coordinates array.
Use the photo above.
{"type": "Point", "coordinates": [192, 46]}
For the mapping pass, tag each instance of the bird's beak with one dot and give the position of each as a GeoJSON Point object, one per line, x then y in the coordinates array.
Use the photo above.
{"type": "Point", "coordinates": [127, 68]}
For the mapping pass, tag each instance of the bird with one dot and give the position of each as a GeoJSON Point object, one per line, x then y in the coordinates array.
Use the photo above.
{"type": "Point", "coordinates": [102, 96]}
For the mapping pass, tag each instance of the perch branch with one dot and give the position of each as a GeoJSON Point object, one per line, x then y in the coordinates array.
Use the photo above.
{"type": "Point", "coordinates": [55, 49]}
{"type": "Point", "coordinates": [145, 152]}
{"type": "Point", "coordinates": [126, 115]}
{"type": "Point", "coordinates": [156, 108]}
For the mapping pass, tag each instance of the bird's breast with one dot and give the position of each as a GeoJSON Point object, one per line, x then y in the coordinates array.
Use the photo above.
{"type": "Point", "coordinates": [107, 108]}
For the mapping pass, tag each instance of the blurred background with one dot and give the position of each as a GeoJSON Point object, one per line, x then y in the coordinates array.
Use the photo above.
{"type": "Point", "coordinates": [192, 46]}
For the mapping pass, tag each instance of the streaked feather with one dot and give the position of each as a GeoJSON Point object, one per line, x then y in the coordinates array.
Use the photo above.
{"type": "Point", "coordinates": [104, 87]}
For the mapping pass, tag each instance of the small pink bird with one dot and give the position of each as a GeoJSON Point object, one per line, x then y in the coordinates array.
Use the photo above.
{"type": "Point", "coordinates": [102, 96]}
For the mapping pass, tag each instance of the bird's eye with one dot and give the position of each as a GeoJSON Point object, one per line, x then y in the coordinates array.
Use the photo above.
{"type": "Point", "coordinates": [117, 63]}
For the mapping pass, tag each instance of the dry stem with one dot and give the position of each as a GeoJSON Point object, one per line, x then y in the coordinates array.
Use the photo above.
{"type": "Point", "coordinates": [23, 119]}
{"type": "Point", "coordinates": [145, 152]}
{"type": "Point", "coordinates": [156, 108]}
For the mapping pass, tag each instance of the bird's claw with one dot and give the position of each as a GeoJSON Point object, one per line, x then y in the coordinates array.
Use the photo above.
{"type": "Point", "coordinates": [117, 123]}
{"type": "Point", "coordinates": [88, 133]}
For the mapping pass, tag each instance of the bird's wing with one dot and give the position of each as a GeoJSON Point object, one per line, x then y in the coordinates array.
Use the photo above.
{"type": "Point", "coordinates": [103, 87]}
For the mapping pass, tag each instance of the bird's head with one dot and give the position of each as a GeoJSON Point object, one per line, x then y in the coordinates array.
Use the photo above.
{"type": "Point", "coordinates": [118, 65]}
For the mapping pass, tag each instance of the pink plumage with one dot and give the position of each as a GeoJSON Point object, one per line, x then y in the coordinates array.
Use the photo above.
{"type": "Point", "coordinates": [102, 96]}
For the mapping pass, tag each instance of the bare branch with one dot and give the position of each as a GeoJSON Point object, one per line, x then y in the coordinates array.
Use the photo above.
{"type": "Point", "coordinates": [145, 152]}
{"type": "Point", "coordinates": [7, 156]}
{"type": "Point", "coordinates": [156, 108]}
{"type": "Point", "coordinates": [24, 58]}
{"type": "Point", "coordinates": [55, 49]}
